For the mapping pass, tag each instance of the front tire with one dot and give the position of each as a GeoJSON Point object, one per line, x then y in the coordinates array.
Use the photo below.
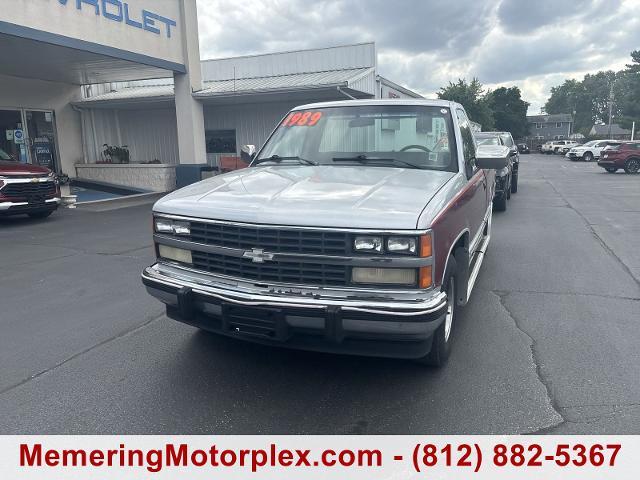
{"type": "Point", "coordinates": [500, 203]}
{"type": "Point", "coordinates": [40, 214]}
{"type": "Point", "coordinates": [611, 169]}
{"type": "Point", "coordinates": [632, 165]}
{"type": "Point", "coordinates": [442, 338]}
{"type": "Point", "coordinates": [514, 184]}
{"type": "Point", "coordinates": [587, 157]}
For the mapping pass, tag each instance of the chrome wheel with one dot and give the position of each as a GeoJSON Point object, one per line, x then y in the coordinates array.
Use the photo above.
{"type": "Point", "coordinates": [451, 301]}
{"type": "Point", "coordinates": [632, 165]}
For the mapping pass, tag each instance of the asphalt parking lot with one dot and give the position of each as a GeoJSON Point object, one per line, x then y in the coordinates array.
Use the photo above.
{"type": "Point", "coordinates": [549, 342]}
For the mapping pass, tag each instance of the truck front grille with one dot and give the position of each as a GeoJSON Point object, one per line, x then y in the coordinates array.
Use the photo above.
{"type": "Point", "coordinates": [280, 272]}
{"type": "Point", "coordinates": [274, 240]}
{"type": "Point", "coordinates": [25, 191]}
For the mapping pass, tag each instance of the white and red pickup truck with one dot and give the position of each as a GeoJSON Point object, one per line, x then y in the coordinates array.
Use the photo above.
{"type": "Point", "coordinates": [359, 227]}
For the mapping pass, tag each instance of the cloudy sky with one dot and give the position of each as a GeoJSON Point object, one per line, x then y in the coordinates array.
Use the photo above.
{"type": "Point", "coordinates": [423, 44]}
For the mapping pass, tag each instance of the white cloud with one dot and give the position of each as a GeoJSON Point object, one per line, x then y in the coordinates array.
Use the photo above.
{"type": "Point", "coordinates": [424, 44]}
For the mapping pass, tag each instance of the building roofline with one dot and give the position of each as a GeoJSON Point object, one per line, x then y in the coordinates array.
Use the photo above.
{"type": "Point", "coordinates": [400, 88]}
{"type": "Point", "coordinates": [255, 55]}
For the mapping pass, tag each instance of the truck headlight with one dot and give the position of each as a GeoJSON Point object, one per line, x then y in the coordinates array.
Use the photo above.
{"type": "Point", "coordinates": [402, 245]}
{"type": "Point", "coordinates": [368, 244]}
{"type": "Point", "coordinates": [384, 276]}
{"type": "Point", "coordinates": [163, 225]}
{"type": "Point", "coordinates": [177, 254]}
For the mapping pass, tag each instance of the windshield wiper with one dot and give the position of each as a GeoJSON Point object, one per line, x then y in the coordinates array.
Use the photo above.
{"type": "Point", "coordinates": [279, 159]}
{"type": "Point", "coordinates": [364, 159]}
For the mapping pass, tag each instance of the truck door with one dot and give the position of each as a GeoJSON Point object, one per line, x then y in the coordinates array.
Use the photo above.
{"type": "Point", "coordinates": [478, 190]}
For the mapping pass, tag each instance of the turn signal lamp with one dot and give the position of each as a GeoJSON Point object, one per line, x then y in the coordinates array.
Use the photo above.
{"type": "Point", "coordinates": [426, 277]}
{"type": "Point", "coordinates": [426, 248]}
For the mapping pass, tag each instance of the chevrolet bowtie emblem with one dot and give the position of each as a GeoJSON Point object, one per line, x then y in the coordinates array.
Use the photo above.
{"type": "Point", "coordinates": [257, 255]}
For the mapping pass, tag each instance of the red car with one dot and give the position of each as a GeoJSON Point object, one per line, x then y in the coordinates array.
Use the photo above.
{"type": "Point", "coordinates": [625, 156]}
{"type": "Point", "coordinates": [26, 189]}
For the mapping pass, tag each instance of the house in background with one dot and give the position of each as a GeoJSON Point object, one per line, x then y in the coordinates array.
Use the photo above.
{"type": "Point", "coordinates": [543, 128]}
{"type": "Point", "coordinates": [617, 132]}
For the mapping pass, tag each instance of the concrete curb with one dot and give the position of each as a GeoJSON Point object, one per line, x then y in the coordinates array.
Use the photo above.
{"type": "Point", "coordinates": [120, 202]}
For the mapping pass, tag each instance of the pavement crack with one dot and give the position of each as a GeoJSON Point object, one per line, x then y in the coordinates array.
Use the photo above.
{"type": "Point", "coordinates": [573, 294]}
{"type": "Point", "coordinates": [120, 335]}
{"type": "Point", "coordinates": [32, 262]}
{"type": "Point", "coordinates": [80, 251]}
{"type": "Point", "coordinates": [533, 345]}
{"type": "Point", "coordinates": [595, 234]}
{"type": "Point", "coordinates": [592, 419]}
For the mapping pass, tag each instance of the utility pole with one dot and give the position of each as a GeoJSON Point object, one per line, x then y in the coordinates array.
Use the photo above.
{"type": "Point", "coordinates": [633, 130]}
{"type": "Point", "coordinates": [611, 107]}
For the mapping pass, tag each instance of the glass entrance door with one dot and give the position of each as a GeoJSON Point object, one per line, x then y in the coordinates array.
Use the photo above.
{"type": "Point", "coordinates": [14, 145]}
{"type": "Point", "coordinates": [41, 138]}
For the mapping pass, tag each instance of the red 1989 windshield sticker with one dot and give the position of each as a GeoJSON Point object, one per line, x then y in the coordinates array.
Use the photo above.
{"type": "Point", "coordinates": [302, 119]}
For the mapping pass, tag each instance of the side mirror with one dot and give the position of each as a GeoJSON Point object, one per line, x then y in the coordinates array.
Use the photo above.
{"type": "Point", "coordinates": [492, 157]}
{"type": "Point", "coordinates": [247, 152]}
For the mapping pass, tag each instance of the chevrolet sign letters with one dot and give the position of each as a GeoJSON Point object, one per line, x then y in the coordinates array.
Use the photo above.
{"type": "Point", "coordinates": [118, 11]}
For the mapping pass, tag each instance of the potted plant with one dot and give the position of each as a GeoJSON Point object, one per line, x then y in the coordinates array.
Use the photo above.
{"type": "Point", "coordinates": [113, 154]}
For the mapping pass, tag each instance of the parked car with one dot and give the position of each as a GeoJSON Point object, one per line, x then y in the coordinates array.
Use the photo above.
{"type": "Point", "coordinates": [523, 148]}
{"type": "Point", "coordinates": [26, 189]}
{"type": "Point", "coordinates": [359, 227]}
{"type": "Point", "coordinates": [545, 147]}
{"type": "Point", "coordinates": [625, 155]}
{"type": "Point", "coordinates": [564, 149]}
{"type": "Point", "coordinates": [504, 177]}
{"type": "Point", "coordinates": [555, 147]}
{"type": "Point", "coordinates": [590, 151]}
{"type": "Point", "coordinates": [507, 139]}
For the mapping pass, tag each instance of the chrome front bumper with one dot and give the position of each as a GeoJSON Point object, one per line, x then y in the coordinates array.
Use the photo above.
{"type": "Point", "coordinates": [394, 324]}
{"type": "Point", "coordinates": [4, 206]}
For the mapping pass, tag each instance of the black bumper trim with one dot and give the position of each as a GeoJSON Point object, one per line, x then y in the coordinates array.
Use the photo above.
{"type": "Point", "coordinates": [268, 326]}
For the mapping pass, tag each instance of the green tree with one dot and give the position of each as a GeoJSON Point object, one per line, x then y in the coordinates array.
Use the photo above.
{"type": "Point", "coordinates": [628, 92]}
{"type": "Point", "coordinates": [472, 97]}
{"type": "Point", "coordinates": [509, 111]}
{"type": "Point", "coordinates": [599, 89]}
{"type": "Point", "coordinates": [588, 99]}
{"type": "Point", "coordinates": [572, 98]}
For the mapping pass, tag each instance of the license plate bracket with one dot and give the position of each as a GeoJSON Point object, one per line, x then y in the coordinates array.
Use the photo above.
{"type": "Point", "coordinates": [260, 322]}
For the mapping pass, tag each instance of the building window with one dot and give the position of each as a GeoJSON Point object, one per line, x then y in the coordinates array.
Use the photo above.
{"type": "Point", "coordinates": [538, 125]}
{"type": "Point", "coordinates": [221, 141]}
{"type": "Point", "coordinates": [558, 124]}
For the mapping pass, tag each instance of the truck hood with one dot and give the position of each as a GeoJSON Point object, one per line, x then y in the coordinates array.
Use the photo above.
{"type": "Point", "coordinates": [321, 196]}
{"type": "Point", "coordinates": [16, 168]}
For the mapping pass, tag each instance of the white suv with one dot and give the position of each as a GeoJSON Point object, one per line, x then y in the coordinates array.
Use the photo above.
{"type": "Point", "coordinates": [556, 146]}
{"type": "Point", "coordinates": [590, 151]}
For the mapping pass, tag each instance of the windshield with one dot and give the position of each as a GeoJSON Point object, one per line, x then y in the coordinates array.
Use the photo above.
{"type": "Point", "coordinates": [5, 156]}
{"type": "Point", "coordinates": [506, 138]}
{"type": "Point", "coordinates": [382, 135]}
{"type": "Point", "coordinates": [485, 140]}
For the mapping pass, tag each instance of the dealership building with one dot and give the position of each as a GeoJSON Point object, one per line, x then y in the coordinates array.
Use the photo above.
{"type": "Point", "coordinates": [115, 92]}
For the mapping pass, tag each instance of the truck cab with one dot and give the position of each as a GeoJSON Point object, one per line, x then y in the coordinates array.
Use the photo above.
{"type": "Point", "coordinates": [359, 228]}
